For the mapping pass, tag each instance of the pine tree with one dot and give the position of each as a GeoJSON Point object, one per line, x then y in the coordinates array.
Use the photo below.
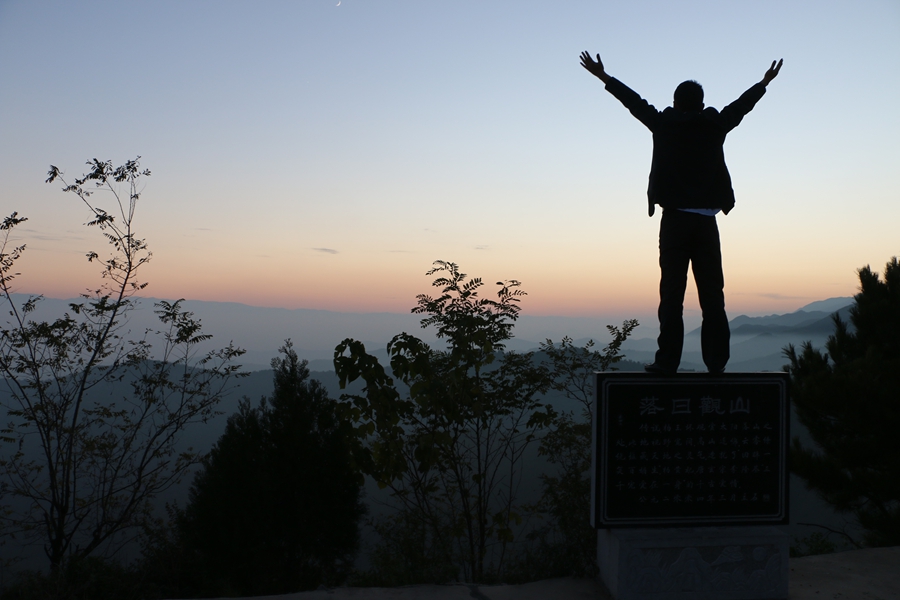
{"type": "Point", "coordinates": [849, 400]}
{"type": "Point", "coordinates": [276, 508]}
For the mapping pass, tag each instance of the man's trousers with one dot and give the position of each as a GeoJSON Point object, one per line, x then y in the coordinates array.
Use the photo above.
{"type": "Point", "coordinates": [686, 237]}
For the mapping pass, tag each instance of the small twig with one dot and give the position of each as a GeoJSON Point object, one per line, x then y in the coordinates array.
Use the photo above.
{"type": "Point", "coordinates": [829, 529]}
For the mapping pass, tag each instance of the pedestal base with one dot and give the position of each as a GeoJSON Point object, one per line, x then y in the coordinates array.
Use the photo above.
{"type": "Point", "coordinates": [700, 563]}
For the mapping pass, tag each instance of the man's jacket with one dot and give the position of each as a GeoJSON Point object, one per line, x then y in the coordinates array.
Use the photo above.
{"type": "Point", "coordinates": [688, 168]}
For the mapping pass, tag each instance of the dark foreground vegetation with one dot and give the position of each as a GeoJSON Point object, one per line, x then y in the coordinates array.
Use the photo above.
{"type": "Point", "coordinates": [848, 397]}
{"type": "Point", "coordinates": [450, 435]}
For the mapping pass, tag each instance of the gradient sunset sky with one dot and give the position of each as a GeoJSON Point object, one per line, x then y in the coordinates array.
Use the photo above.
{"type": "Point", "coordinates": [321, 154]}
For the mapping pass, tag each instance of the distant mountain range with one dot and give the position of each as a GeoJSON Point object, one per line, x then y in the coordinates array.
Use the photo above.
{"type": "Point", "coordinates": [756, 344]}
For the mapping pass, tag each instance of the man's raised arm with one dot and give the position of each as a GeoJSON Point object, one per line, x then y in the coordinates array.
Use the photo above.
{"type": "Point", "coordinates": [640, 108]}
{"type": "Point", "coordinates": [595, 68]}
{"type": "Point", "coordinates": [771, 74]}
{"type": "Point", "coordinates": [732, 114]}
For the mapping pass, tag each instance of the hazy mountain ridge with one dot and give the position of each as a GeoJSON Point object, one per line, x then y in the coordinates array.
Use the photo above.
{"type": "Point", "coordinates": [315, 333]}
{"type": "Point", "coordinates": [809, 317]}
{"type": "Point", "coordinates": [756, 344]}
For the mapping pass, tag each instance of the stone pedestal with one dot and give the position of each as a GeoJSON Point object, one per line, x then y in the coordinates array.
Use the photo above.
{"type": "Point", "coordinates": [699, 563]}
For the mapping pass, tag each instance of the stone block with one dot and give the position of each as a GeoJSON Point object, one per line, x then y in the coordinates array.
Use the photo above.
{"type": "Point", "coordinates": [700, 563]}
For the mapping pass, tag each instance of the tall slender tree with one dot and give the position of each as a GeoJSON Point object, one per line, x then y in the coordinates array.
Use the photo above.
{"type": "Point", "coordinates": [448, 436]}
{"type": "Point", "coordinates": [81, 464]}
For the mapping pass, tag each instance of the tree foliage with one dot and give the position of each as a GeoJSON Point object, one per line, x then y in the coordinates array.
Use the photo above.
{"type": "Point", "coordinates": [276, 507]}
{"type": "Point", "coordinates": [81, 464]}
{"type": "Point", "coordinates": [447, 431]}
{"type": "Point", "coordinates": [849, 399]}
{"type": "Point", "coordinates": [567, 545]}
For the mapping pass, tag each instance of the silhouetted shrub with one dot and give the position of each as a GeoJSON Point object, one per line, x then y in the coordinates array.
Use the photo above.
{"type": "Point", "coordinates": [89, 578]}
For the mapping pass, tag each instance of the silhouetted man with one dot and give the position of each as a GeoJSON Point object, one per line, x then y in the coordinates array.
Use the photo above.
{"type": "Point", "coordinates": [689, 180]}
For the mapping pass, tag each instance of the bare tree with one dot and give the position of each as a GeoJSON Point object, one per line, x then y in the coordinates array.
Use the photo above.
{"type": "Point", "coordinates": [94, 418]}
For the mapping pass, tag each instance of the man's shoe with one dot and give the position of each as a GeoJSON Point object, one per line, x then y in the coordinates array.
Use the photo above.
{"type": "Point", "coordinates": [655, 369]}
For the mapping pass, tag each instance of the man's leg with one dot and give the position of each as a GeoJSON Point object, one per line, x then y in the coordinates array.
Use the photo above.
{"type": "Point", "coordinates": [706, 262]}
{"type": "Point", "coordinates": [674, 255]}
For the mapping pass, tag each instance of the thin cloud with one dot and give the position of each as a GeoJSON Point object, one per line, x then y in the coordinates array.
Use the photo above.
{"type": "Point", "coordinates": [33, 234]}
{"type": "Point", "coordinates": [326, 250]}
{"type": "Point", "coordinates": [773, 296]}
{"type": "Point", "coordinates": [46, 238]}
{"type": "Point", "coordinates": [484, 247]}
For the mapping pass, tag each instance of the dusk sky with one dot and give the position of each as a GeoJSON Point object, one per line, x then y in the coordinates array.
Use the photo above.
{"type": "Point", "coordinates": [321, 154]}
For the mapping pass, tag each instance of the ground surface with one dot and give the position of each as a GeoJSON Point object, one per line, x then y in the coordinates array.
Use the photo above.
{"type": "Point", "coordinates": [871, 574]}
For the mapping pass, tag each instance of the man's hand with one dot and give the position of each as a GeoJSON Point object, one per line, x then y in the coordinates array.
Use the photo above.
{"type": "Point", "coordinates": [771, 74]}
{"type": "Point", "coordinates": [596, 68]}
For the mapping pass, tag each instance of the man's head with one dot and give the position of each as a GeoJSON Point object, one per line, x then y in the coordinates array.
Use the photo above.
{"type": "Point", "coordinates": [688, 96]}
